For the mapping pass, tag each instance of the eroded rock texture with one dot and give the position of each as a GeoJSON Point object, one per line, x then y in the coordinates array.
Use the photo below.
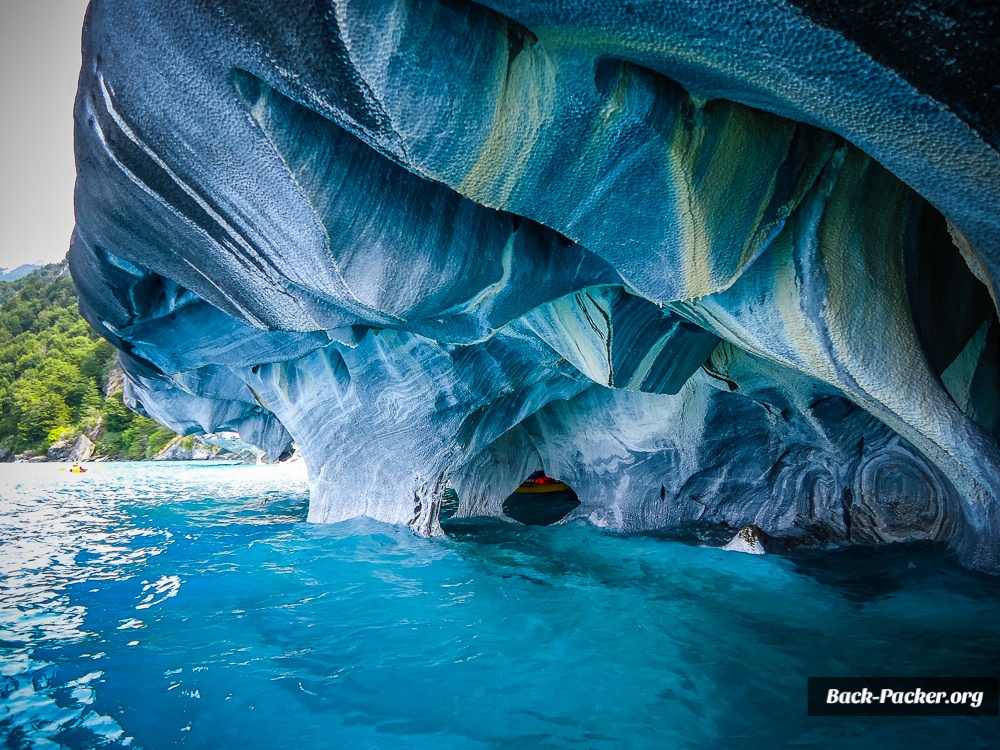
{"type": "Point", "coordinates": [705, 261]}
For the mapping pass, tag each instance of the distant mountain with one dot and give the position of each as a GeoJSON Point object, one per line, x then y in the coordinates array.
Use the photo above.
{"type": "Point", "coordinates": [13, 274]}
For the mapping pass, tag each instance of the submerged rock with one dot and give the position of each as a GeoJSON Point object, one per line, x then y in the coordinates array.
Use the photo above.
{"type": "Point", "coordinates": [705, 263]}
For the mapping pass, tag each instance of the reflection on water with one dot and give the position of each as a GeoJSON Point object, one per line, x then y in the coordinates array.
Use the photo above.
{"type": "Point", "coordinates": [190, 606]}
{"type": "Point", "coordinates": [62, 533]}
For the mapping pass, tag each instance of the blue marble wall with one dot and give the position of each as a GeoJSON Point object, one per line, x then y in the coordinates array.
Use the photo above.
{"type": "Point", "coordinates": [708, 262]}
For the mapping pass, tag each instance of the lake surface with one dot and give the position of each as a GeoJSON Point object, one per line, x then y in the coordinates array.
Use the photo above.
{"type": "Point", "coordinates": [190, 605]}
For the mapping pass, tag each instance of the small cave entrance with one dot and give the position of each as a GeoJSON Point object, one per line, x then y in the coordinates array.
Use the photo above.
{"type": "Point", "coordinates": [449, 504]}
{"type": "Point", "coordinates": [540, 501]}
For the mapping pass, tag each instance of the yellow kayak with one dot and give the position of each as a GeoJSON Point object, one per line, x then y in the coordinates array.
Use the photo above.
{"type": "Point", "coordinates": [531, 488]}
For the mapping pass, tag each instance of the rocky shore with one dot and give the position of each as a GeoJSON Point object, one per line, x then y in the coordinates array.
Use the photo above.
{"type": "Point", "coordinates": [218, 447]}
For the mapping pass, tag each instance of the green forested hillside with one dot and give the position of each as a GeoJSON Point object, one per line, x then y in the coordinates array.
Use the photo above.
{"type": "Point", "coordinates": [53, 368]}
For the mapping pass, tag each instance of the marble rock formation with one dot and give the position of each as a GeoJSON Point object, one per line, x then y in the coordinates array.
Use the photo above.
{"type": "Point", "coordinates": [749, 539]}
{"type": "Point", "coordinates": [709, 262]}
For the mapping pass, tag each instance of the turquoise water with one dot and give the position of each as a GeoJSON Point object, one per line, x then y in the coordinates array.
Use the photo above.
{"type": "Point", "coordinates": [162, 606]}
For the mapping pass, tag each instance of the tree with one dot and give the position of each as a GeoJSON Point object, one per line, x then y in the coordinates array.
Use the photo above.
{"type": "Point", "coordinates": [52, 367]}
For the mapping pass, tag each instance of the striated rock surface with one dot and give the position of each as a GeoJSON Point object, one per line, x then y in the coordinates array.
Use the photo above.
{"type": "Point", "coordinates": [706, 262]}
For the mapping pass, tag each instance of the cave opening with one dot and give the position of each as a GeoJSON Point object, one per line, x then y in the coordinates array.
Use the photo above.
{"type": "Point", "coordinates": [540, 500]}
{"type": "Point", "coordinates": [449, 504]}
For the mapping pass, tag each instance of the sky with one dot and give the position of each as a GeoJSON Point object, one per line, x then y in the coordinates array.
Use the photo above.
{"type": "Point", "coordinates": [40, 49]}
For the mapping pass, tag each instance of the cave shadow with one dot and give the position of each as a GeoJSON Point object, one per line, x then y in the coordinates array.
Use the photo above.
{"type": "Point", "coordinates": [540, 503]}
{"type": "Point", "coordinates": [864, 573]}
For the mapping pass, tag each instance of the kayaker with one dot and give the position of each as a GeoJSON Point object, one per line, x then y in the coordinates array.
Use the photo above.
{"type": "Point", "coordinates": [539, 477]}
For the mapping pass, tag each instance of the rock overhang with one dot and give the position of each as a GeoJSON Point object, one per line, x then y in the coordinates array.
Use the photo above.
{"type": "Point", "coordinates": [435, 243]}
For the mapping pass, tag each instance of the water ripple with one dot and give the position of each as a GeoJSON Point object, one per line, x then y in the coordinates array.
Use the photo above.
{"type": "Point", "coordinates": [190, 606]}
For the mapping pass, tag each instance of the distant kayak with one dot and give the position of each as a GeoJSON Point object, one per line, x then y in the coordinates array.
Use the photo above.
{"type": "Point", "coordinates": [529, 488]}
{"type": "Point", "coordinates": [539, 483]}
{"type": "Point", "coordinates": [553, 501]}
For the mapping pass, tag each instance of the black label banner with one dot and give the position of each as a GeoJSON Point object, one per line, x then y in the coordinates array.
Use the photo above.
{"type": "Point", "coordinates": [904, 696]}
